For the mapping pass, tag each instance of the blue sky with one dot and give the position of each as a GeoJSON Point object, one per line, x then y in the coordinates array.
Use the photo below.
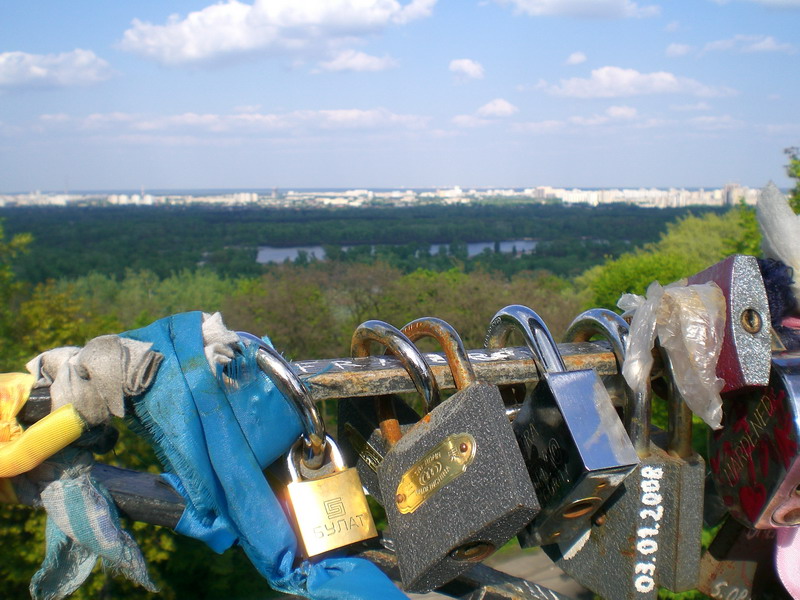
{"type": "Point", "coordinates": [384, 93]}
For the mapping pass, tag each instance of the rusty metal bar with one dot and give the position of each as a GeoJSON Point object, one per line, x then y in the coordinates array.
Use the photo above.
{"type": "Point", "coordinates": [379, 375]}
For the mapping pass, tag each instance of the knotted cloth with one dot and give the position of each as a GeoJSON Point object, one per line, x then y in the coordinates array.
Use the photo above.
{"type": "Point", "coordinates": [22, 450]}
{"type": "Point", "coordinates": [215, 440]}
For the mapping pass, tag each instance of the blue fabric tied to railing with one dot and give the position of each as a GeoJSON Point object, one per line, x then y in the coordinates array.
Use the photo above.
{"type": "Point", "coordinates": [214, 441]}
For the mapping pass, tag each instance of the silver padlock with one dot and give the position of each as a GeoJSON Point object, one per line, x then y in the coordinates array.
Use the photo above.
{"type": "Point", "coordinates": [648, 533]}
{"type": "Point", "coordinates": [575, 446]}
{"type": "Point", "coordinates": [360, 437]}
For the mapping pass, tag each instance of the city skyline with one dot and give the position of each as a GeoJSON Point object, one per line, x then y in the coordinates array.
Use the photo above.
{"type": "Point", "coordinates": [397, 95]}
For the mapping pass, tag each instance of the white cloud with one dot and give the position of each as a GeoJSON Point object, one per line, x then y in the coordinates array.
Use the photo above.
{"type": "Point", "coordinates": [672, 27]}
{"type": "Point", "coordinates": [749, 43]}
{"type": "Point", "coordinates": [244, 123]}
{"type": "Point", "coordinates": [769, 3]}
{"type": "Point", "coordinates": [271, 26]}
{"type": "Point", "coordinates": [467, 68]}
{"type": "Point", "coordinates": [78, 67]}
{"type": "Point", "coordinates": [622, 112]}
{"type": "Point", "coordinates": [674, 50]}
{"type": "Point", "coordinates": [691, 107]}
{"type": "Point", "coordinates": [606, 9]}
{"type": "Point", "coordinates": [352, 60]}
{"type": "Point", "coordinates": [613, 114]}
{"type": "Point", "coordinates": [470, 121]}
{"type": "Point", "coordinates": [616, 82]}
{"type": "Point", "coordinates": [497, 108]}
{"type": "Point", "coordinates": [539, 127]}
{"type": "Point", "coordinates": [575, 58]}
{"type": "Point", "coordinates": [716, 123]}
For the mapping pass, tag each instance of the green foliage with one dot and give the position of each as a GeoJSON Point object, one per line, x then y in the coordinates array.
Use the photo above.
{"type": "Point", "coordinates": [125, 280]}
{"type": "Point", "coordinates": [9, 289]}
{"type": "Point", "coordinates": [165, 240]}
{"type": "Point", "coordinates": [690, 245]}
{"type": "Point", "coordinates": [793, 171]}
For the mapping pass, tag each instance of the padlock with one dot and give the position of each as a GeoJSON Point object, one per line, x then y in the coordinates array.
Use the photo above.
{"type": "Point", "coordinates": [330, 511]}
{"type": "Point", "coordinates": [744, 359]}
{"type": "Point", "coordinates": [739, 563]}
{"type": "Point", "coordinates": [755, 456]}
{"type": "Point", "coordinates": [455, 485]}
{"type": "Point", "coordinates": [648, 533]}
{"type": "Point", "coordinates": [359, 434]}
{"type": "Point", "coordinates": [574, 444]}
{"type": "Point", "coordinates": [326, 497]}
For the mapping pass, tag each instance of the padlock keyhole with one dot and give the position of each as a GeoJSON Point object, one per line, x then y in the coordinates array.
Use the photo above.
{"type": "Point", "coordinates": [751, 320]}
{"type": "Point", "coordinates": [580, 508]}
{"type": "Point", "coordinates": [473, 551]}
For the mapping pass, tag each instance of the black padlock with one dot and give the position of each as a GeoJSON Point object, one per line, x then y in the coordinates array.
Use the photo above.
{"type": "Point", "coordinates": [648, 533]}
{"type": "Point", "coordinates": [360, 438]}
{"type": "Point", "coordinates": [575, 446]}
{"type": "Point", "coordinates": [460, 486]}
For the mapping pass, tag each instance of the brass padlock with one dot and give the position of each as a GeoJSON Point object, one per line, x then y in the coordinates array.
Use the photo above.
{"type": "Point", "coordinates": [575, 446]}
{"type": "Point", "coordinates": [326, 497]}
{"type": "Point", "coordinates": [360, 437]}
{"type": "Point", "coordinates": [330, 511]}
{"type": "Point", "coordinates": [648, 533]}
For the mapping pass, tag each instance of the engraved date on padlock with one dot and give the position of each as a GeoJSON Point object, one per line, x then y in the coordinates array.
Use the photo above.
{"type": "Point", "coordinates": [444, 463]}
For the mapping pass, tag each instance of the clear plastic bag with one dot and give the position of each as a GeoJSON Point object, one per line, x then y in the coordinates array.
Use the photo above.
{"type": "Point", "coordinates": [689, 321]}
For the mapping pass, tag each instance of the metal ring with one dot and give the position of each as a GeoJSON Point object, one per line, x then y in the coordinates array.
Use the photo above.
{"type": "Point", "coordinates": [607, 323]}
{"type": "Point", "coordinates": [537, 337]}
{"type": "Point", "coordinates": [450, 341]}
{"type": "Point", "coordinates": [291, 386]}
{"type": "Point", "coordinates": [404, 350]}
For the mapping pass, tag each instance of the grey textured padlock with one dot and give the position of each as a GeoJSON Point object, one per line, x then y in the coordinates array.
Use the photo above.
{"type": "Point", "coordinates": [755, 457]}
{"type": "Point", "coordinates": [575, 446]}
{"type": "Point", "coordinates": [739, 563]}
{"type": "Point", "coordinates": [459, 483]}
{"type": "Point", "coordinates": [360, 438]}
{"type": "Point", "coordinates": [648, 533]}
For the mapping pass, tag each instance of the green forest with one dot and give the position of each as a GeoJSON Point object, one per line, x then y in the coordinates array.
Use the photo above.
{"type": "Point", "coordinates": [70, 274]}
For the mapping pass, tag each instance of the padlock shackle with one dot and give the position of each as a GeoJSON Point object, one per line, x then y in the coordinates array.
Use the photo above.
{"type": "Point", "coordinates": [404, 350]}
{"type": "Point", "coordinates": [412, 360]}
{"type": "Point", "coordinates": [679, 429]}
{"type": "Point", "coordinates": [612, 327]}
{"type": "Point", "coordinates": [330, 446]}
{"type": "Point", "coordinates": [291, 386]}
{"type": "Point", "coordinates": [537, 337]}
{"type": "Point", "coordinates": [451, 343]}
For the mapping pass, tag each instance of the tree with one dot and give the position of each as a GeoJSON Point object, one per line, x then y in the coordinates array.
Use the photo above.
{"type": "Point", "coordinates": [9, 290]}
{"type": "Point", "coordinates": [690, 245]}
{"type": "Point", "coordinates": [793, 171]}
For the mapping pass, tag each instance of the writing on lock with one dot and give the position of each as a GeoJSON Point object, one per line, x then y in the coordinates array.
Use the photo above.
{"type": "Point", "coordinates": [337, 520]}
{"type": "Point", "coordinates": [547, 466]}
{"type": "Point", "coordinates": [442, 464]}
{"type": "Point", "coordinates": [649, 516]}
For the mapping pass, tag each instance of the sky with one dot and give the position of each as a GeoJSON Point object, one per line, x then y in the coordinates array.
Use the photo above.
{"type": "Point", "coordinates": [100, 95]}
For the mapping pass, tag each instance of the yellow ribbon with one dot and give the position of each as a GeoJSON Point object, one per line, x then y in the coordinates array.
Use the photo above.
{"type": "Point", "coordinates": [22, 450]}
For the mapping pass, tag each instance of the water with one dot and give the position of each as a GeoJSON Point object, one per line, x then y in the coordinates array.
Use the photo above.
{"type": "Point", "coordinates": [272, 254]}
